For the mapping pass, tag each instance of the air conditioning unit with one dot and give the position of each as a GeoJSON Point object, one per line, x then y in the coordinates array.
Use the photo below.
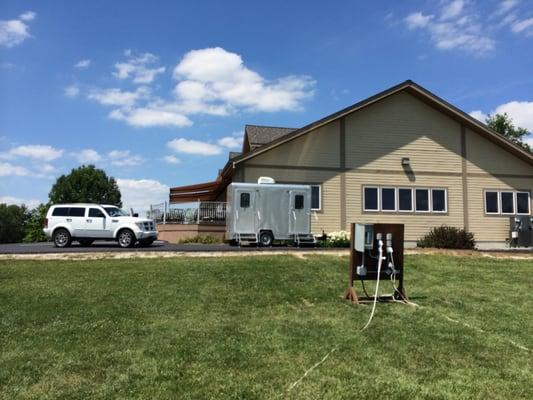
{"type": "Point", "coordinates": [265, 179]}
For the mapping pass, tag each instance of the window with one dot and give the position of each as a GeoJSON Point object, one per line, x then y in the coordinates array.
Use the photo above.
{"type": "Point", "coordinates": [438, 200]}
{"type": "Point", "coordinates": [422, 200]}
{"type": "Point", "coordinates": [245, 200]}
{"type": "Point", "coordinates": [405, 199]}
{"type": "Point", "coordinates": [316, 197]}
{"type": "Point", "coordinates": [388, 199]}
{"type": "Point", "coordinates": [76, 212]}
{"type": "Point", "coordinates": [60, 212]}
{"type": "Point", "coordinates": [492, 205]}
{"type": "Point", "coordinates": [299, 201]}
{"type": "Point", "coordinates": [95, 213]}
{"type": "Point", "coordinates": [370, 200]}
{"type": "Point", "coordinates": [522, 203]}
{"type": "Point", "coordinates": [507, 202]}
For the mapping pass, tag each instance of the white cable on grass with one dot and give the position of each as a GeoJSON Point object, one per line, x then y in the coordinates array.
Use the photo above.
{"type": "Point", "coordinates": [309, 370]}
{"type": "Point", "coordinates": [380, 260]}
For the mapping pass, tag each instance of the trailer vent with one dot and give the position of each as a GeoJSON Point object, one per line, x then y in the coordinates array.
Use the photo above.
{"type": "Point", "coordinates": [265, 179]}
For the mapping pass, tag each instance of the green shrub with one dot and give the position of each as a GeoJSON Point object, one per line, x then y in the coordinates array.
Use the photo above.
{"type": "Point", "coordinates": [34, 227]}
{"type": "Point", "coordinates": [448, 237]}
{"type": "Point", "coordinates": [202, 239]}
{"type": "Point", "coordinates": [336, 239]}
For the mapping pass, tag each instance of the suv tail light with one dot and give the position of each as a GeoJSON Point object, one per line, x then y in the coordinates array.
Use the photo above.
{"type": "Point", "coordinates": [45, 223]}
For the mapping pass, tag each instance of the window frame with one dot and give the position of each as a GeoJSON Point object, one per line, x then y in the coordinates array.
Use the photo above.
{"type": "Point", "coordinates": [299, 196]}
{"type": "Point", "coordinates": [528, 202]}
{"type": "Point", "coordinates": [445, 201]}
{"type": "Point", "coordinates": [377, 199]}
{"type": "Point", "coordinates": [412, 199]}
{"type": "Point", "coordinates": [500, 195]}
{"type": "Point", "coordinates": [497, 201]}
{"type": "Point", "coordinates": [249, 199]}
{"type": "Point", "coordinates": [428, 190]}
{"type": "Point", "coordinates": [319, 197]}
{"type": "Point", "coordinates": [381, 188]}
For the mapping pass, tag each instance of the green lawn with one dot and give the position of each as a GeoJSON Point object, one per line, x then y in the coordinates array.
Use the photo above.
{"type": "Point", "coordinates": [245, 328]}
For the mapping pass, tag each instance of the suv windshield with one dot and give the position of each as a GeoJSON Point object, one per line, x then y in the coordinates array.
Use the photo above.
{"type": "Point", "coordinates": [116, 212]}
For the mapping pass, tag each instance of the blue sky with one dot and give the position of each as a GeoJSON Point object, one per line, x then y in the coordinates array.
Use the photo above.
{"type": "Point", "coordinates": [158, 95]}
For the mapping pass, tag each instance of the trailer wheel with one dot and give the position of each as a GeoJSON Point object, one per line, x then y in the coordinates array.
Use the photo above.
{"type": "Point", "coordinates": [266, 238]}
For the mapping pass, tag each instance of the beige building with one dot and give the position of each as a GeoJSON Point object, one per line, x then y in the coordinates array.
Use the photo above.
{"type": "Point", "coordinates": [403, 155]}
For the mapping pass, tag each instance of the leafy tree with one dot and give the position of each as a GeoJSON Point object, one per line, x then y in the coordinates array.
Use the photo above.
{"type": "Point", "coordinates": [34, 226]}
{"type": "Point", "coordinates": [86, 184]}
{"type": "Point", "coordinates": [13, 220]}
{"type": "Point", "coordinates": [503, 124]}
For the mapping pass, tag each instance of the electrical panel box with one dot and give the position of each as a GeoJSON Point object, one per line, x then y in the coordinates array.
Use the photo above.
{"type": "Point", "coordinates": [364, 237]}
{"type": "Point", "coordinates": [521, 231]}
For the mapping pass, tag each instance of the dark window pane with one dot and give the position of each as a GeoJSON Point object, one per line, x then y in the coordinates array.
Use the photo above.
{"type": "Point", "coordinates": [438, 200]}
{"type": "Point", "coordinates": [299, 201]}
{"type": "Point", "coordinates": [76, 212]}
{"type": "Point", "coordinates": [245, 200]}
{"type": "Point", "coordinates": [315, 197]}
{"type": "Point", "coordinates": [95, 213]}
{"type": "Point", "coordinates": [422, 199]}
{"type": "Point", "coordinates": [522, 203]}
{"type": "Point", "coordinates": [60, 212]}
{"type": "Point", "coordinates": [491, 202]}
{"type": "Point", "coordinates": [371, 199]}
{"type": "Point", "coordinates": [388, 199]}
{"type": "Point", "coordinates": [405, 199]}
{"type": "Point", "coordinates": [507, 202]}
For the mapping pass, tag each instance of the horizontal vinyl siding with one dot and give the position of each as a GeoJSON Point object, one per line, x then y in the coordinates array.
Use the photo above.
{"type": "Point", "coordinates": [484, 156]}
{"type": "Point", "coordinates": [416, 224]}
{"type": "Point", "coordinates": [490, 228]}
{"type": "Point", "coordinates": [328, 219]}
{"type": "Point", "coordinates": [402, 126]}
{"type": "Point", "coordinates": [318, 148]}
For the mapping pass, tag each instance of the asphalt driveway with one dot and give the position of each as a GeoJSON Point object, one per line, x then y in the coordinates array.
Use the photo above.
{"type": "Point", "coordinates": [161, 246]}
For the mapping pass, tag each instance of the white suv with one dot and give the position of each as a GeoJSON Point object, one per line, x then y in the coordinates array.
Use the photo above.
{"type": "Point", "coordinates": [87, 222]}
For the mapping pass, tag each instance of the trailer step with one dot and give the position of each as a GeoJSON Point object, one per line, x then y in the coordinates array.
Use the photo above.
{"type": "Point", "coordinates": [249, 238]}
{"type": "Point", "coordinates": [305, 239]}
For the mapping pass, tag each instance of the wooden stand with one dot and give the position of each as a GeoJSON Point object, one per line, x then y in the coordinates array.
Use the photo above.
{"type": "Point", "coordinates": [356, 258]}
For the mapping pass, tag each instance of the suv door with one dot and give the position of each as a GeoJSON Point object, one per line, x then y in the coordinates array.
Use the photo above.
{"type": "Point", "coordinates": [76, 219]}
{"type": "Point", "coordinates": [96, 223]}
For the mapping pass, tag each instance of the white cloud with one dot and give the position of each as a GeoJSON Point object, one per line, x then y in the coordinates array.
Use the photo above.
{"type": "Point", "coordinates": [88, 156]}
{"type": "Point", "coordinates": [30, 203]}
{"type": "Point", "coordinates": [187, 146]}
{"type": "Point", "coordinates": [231, 142]}
{"type": "Point", "coordinates": [214, 76]}
{"type": "Point", "coordinates": [37, 152]}
{"type": "Point", "coordinates": [172, 160]}
{"type": "Point", "coordinates": [141, 193]}
{"type": "Point", "coordinates": [8, 169]}
{"type": "Point", "coordinates": [525, 25]}
{"type": "Point", "coordinates": [148, 117]}
{"type": "Point", "coordinates": [72, 91]}
{"type": "Point", "coordinates": [418, 20]}
{"type": "Point", "coordinates": [452, 9]}
{"type": "Point", "coordinates": [123, 158]}
{"type": "Point", "coordinates": [83, 64]}
{"type": "Point", "coordinates": [137, 68]}
{"type": "Point", "coordinates": [117, 97]}
{"type": "Point", "coordinates": [479, 115]}
{"type": "Point", "coordinates": [15, 31]}
{"type": "Point", "coordinates": [520, 111]}
{"type": "Point", "coordinates": [457, 28]}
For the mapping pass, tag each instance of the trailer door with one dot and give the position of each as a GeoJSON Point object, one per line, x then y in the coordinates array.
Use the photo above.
{"type": "Point", "coordinates": [245, 213]}
{"type": "Point", "coordinates": [298, 213]}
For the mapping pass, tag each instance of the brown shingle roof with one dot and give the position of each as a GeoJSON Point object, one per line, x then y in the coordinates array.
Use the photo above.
{"type": "Point", "coordinates": [257, 135]}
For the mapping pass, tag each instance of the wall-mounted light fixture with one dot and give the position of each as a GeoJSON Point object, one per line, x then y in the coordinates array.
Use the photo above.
{"type": "Point", "coordinates": [406, 162]}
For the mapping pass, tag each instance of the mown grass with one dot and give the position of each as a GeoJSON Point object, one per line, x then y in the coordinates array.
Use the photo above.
{"type": "Point", "coordinates": [248, 328]}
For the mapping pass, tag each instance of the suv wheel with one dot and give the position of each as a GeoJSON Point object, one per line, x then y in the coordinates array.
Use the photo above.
{"type": "Point", "coordinates": [266, 239]}
{"type": "Point", "coordinates": [126, 238]}
{"type": "Point", "coordinates": [62, 238]}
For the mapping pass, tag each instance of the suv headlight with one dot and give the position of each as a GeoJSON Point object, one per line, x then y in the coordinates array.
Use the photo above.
{"type": "Point", "coordinates": [140, 225]}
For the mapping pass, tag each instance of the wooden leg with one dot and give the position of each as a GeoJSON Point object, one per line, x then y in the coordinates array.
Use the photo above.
{"type": "Point", "coordinates": [351, 294]}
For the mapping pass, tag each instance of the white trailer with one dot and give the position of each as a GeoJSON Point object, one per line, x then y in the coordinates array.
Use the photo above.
{"type": "Point", "coordinates": [263, 212]}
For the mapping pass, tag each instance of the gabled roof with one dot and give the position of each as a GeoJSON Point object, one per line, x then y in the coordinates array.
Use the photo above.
{"type": "Point", "coordinates": [257, 135]}
{"type": "Point", "coordinates": [407, 86]}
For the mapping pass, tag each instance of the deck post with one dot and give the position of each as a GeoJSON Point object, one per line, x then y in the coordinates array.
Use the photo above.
{"type": "Point", "coordinates": [165, 213]}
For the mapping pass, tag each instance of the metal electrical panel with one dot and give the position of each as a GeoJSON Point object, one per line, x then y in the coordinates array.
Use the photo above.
{"type": "Point", "coordinates": [364, 237]}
